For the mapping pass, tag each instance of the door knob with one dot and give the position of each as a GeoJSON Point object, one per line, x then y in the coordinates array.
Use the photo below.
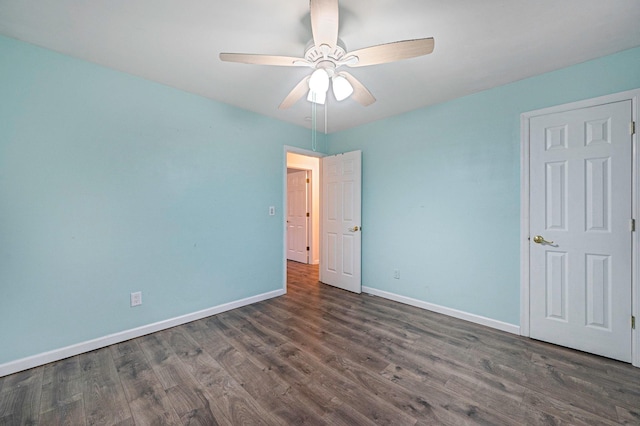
{"type": "Point", "coordinates": [538, 239]}
{"type": "Point", "coordinates": [355, 229]}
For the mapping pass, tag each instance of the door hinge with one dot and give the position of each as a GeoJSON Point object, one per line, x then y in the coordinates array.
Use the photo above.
{"type": "Point", "coordinates": [632, 128]}
{"type": "Point", "coordinates": [307, 214]}
{"type": "Point", "coordinates": [632, 225]}
{"type": "Point", "coordinates": [633, 322]}
{"type": "Point", "coordinates": [307, 180]}
{"type": "Point", "coordinates": [307, 248]}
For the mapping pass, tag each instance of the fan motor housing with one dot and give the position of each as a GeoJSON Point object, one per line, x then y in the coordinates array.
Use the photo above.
{"type": "Point", "coordinates": [315, 54]}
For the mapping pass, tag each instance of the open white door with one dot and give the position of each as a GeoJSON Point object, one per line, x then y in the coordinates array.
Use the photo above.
{"type": "Point", "coordinates": [340, 261]}
{"type": "Point", "coordinates": [581, 239]}
{"type": "Point", "coordinates": [297, 217]}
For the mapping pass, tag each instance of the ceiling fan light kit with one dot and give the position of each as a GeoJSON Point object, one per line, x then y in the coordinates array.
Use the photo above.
{"type": "Point", "coordinates": [325, 53]}
{"type": "Point", "coordinates": [317, 97]}
{"type": "Point", "coordinates": [318, 86]}
{"type": "Point", "coordinates": [342, 89]}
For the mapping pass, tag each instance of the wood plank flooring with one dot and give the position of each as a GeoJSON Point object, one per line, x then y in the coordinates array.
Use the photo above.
{"type": "Point", "coordinates": [320, 355]}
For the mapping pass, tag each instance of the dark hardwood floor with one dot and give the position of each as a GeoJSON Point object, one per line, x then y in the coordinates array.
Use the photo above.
{"type": "Point", "coordinates": [320, 355]}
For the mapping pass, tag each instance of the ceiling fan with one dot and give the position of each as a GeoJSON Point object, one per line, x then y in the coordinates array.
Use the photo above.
{"type": "Point", "coordinates": [326, 53]}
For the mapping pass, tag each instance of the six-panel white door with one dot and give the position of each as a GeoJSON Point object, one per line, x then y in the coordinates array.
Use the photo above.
{"type": "Point", "coordinates": [580, 205]}
{"type": "Point", "coordinates": [297, 219]}
{"type": "Point", "coordinates": [341, 227]}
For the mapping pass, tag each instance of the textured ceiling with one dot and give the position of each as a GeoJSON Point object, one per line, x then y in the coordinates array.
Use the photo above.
{"type": "Point", "coordinates": [478, 44]}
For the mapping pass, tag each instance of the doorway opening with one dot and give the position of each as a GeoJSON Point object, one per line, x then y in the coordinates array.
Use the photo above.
{"type": "Point", "coordinates": [338, 215]}
{"type": "Point", "coordinates": [301, 208]}
{"type": "Point", "coordinates": [298, 215]}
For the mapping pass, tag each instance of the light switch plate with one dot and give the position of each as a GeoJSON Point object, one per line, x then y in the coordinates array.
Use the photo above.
{"type": "Point", "coordinates": [136, 298]}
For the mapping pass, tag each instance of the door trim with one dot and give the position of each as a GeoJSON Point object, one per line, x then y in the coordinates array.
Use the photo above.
{"type": "Point", "coordinates": [308, 153]}
{"type": "Point", "coordinates": [633, 96]}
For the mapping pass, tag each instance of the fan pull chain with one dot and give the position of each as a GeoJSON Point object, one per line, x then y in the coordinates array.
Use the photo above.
{"type": "Point", "coordinates": [314, 127]}
{"type": "Point", "coordinates": [326, 104]}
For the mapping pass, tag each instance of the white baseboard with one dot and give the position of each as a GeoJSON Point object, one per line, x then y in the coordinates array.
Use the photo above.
{"type": "Point", "coordinates": [478, 319]}
{"type": "Point", "coordinates": [90, 345]}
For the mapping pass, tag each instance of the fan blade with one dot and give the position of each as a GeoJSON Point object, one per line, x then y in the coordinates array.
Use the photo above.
{"type": "Point", "coordinates": [250, 58]}
{"type": "Point", "coordinates": [324, 22]}
{"type": "Point", "coordinates": [392, 52]}
{"type": "Point", "coordinates": [360, 93]}
{"type": "Point", "coordinates": [297, 92]}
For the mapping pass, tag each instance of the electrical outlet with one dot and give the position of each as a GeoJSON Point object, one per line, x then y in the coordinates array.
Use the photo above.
{"type": "Point", "coordinates": [272, 211]}
{"type": "Point", "coordinates": [396, 274]}
{"type": "Point", "coordinates": [136, 298]}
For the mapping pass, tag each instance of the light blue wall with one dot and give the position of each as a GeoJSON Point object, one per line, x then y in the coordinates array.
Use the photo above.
{"type": "Point", "coordinates": [111, 184]}
{"type": "Point", "coordinates": [441, 188]}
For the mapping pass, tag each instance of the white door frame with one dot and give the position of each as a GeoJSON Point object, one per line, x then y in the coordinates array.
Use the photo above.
{"type": "Point", "coordinates": [634, 96]}
{"type": "Point", "coordinates": [301, 151]}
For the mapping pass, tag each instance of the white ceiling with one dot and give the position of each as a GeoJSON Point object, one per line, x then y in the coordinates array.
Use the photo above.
{"type": "Point", "coordinates": [479, 44]}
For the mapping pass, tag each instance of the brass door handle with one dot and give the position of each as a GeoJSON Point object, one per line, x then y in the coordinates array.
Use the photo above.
{"type": "Point", "coordinates": [355, 229]}
{"type": "Point", "coordinates": [538, 239]}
